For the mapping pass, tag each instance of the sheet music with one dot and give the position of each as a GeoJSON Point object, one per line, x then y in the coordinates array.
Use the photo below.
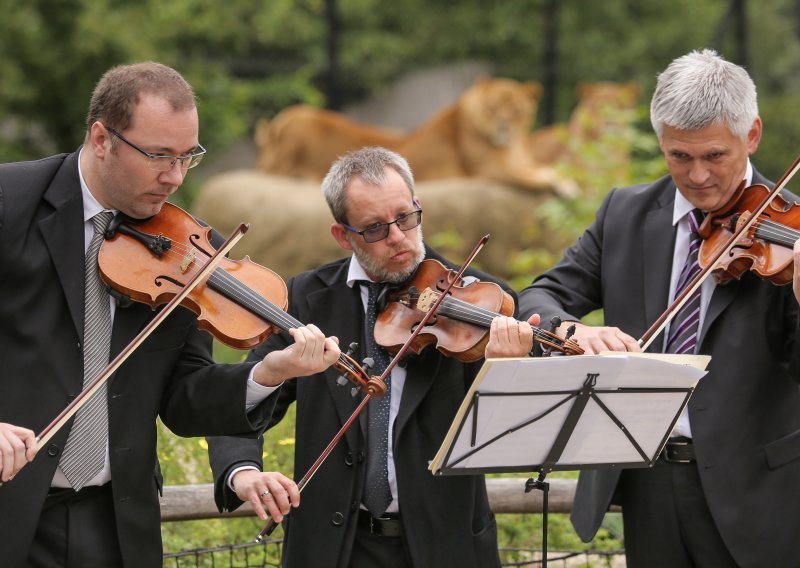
{"type": "Point", "coordinates": [516, 407]}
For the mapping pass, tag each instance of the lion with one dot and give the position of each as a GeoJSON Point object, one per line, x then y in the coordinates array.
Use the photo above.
{"type": "Point", "coordinates": [482, 134]}
{"type": "Point", "coordinates": [303, 141]}
{"type": "Point", "coordinates": [604, 114]}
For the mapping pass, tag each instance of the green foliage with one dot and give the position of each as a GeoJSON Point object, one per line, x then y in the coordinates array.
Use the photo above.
{"type": "Point", "coordinates": [248, 59]}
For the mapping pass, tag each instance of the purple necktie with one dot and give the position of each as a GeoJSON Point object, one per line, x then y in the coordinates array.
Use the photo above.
{"type": "Point", "coordinates": [685, 325]}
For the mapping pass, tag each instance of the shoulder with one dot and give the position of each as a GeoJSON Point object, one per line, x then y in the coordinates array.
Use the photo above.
{"type": "Point", "coordinates": [635, 201]}
{"type": "Point", "coordinates": [33, 173]}
{"type": "Point", "coordinates": [24, 188]}
{"type": "Point", "coordinates": [322, 276]}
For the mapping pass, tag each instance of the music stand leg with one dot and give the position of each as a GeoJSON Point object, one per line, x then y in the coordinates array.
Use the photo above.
{"type": "Point", "coordinates": [544, 487]}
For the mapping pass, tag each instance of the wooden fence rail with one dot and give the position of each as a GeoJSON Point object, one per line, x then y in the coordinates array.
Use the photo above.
{"type": "Point", "coordinates": [506, 495]}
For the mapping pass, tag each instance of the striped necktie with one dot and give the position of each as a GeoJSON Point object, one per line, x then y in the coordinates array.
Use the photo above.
{"type": "Point", "coordinates": [85, 452]}
{"type": "Point", "coordinates": [685, 325]}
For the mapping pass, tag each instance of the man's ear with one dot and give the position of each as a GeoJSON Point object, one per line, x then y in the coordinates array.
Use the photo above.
{"type": "Point", "coordinates": [98, 136]}
{"type": "Point", "coordinates": [340, 234]}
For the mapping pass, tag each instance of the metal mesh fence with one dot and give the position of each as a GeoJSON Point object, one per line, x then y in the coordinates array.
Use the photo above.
{"type": "Point", "coordinates": [268, 554]}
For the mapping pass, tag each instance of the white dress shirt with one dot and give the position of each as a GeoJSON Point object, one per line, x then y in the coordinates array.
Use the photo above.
{"type": "Point", "coordinates": [680, 211]}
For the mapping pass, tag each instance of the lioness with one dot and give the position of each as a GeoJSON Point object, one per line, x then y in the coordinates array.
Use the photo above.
{"type": "Point", "coordinates": [482, 134]}
{"type": "Point", "coordinates": [604, 110]}
{"type": "Point", "coordinates": [303, 141]}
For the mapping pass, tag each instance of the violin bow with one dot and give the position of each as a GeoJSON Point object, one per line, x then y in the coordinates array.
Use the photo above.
{"type": "Point", "coordinates": [659, 325]}
{"type": "Point", "coordinates": [92, 387]}
{"type": "Point", "coordinates": [272, 525]}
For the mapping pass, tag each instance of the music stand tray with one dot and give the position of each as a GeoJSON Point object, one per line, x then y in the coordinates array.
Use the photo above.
{"type": "Point", "coordinates": [568, 413]}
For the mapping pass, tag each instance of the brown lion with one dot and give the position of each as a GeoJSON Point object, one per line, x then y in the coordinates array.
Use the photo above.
{"type": "Point", "coordinates": [303, 141]}
{"type": "Point", "coordinates": [604, 112]}
{"type": "Point", "coordinates": [482, 134]}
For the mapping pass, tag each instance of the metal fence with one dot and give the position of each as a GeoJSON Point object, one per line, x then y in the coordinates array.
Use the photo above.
{"type": "Point", "coordinates": [267, 554]}
{"type": "Point", "coordinates": [506, 495]}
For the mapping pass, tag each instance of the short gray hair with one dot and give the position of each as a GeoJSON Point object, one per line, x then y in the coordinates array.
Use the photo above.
{"type": "Point", "coordinates": [700, 89]}
{"type": "Point", "coordinates": [370, 165]}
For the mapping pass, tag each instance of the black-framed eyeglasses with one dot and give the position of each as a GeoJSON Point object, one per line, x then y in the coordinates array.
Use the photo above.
{"type": "Point", "coordinates": [379, 231]}
{"type": "Point", "coordinates": [162, 162]}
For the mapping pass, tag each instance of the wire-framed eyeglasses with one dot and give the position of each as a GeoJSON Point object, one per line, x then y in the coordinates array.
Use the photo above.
{"type": "Point", "coordinates": [162, 162]}
{"type": "Point", "coordinates": [379, 231]}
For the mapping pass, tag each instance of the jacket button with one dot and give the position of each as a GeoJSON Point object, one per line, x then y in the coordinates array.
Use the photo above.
{"type": "Point", "coordinates": [337, 519]}
{"type": "Point", "coordinates": [360, 457]}
{"type": "Point", "coordinates": [53, 450]}
{"type": "Point", "coordinates": [348, 460]}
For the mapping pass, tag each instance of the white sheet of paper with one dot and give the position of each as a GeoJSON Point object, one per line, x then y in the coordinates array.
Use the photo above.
{"type": "Point", "coordinates": [523, 403]}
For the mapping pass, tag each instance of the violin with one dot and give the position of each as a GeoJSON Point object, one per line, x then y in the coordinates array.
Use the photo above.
{"type": "Point", "coordinates": [241, 303]}
{"type": "Point", "coordinates": [737, 236]}
{"type": "Point", "coordinates": [766, 247]}
{"type": "Point", "coordinates": [460, 326]}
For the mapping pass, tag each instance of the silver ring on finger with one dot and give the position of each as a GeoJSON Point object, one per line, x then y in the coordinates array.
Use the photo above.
{"type": "Point", "coordinates": [264, 493]}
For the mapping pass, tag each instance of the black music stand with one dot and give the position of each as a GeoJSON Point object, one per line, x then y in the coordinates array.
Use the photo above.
{"type": "Point", "coordinates": [567, 413]}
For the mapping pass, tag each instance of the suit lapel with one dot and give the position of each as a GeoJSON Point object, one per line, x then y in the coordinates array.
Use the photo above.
{"type": "Point", "coordinates": [725, 293]}
{"type": "Point", "coordinates": [659, 243]}
{"type": "Point", "coordinates": [335, 305]}
{"type": "Point", "coordinates": [422, 371]}
{"type": "Point", "coordinates": [62, 232]}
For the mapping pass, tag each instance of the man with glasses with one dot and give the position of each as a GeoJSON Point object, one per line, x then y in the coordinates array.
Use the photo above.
{"type": "Point", "coordinates": [415, 519]}
{"type": "Point", "coordinates": [90, 496]}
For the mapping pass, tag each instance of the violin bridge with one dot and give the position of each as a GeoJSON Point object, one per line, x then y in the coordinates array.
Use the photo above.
{"type": "Point", "coordinates": [742, 219]}
{"type": "Point", "coordinates": [426, 299]}
{"type": "Point", "coordinates": [187, 260]}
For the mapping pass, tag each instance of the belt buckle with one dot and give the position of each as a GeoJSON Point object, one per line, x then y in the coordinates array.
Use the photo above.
{"type": "Point", "coordinates": [669, 458]}
{"type": "Point", "coordinates": [374, 528]}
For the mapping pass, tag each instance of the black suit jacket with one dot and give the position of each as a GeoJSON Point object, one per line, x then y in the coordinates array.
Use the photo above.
{"type": "Point", "coordinates": [745, 413]}
{"type": "Point", "coordinates": [447, 520]}
{"type": "Point", "coordinates": [41, 329]}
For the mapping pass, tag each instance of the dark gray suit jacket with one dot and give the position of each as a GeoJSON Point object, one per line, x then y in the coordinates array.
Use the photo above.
{"type": "Point", "coordinates": [41, 329]}
{"type": "Point", "coordinates": [745, 413]}
{"type": "Point", "coordinates": [447, 520]}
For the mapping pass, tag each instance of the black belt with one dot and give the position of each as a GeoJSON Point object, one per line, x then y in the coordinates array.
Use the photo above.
{"type": "Point", "coordinates": [390, 525]}
{"type": "Point", "coordinates": [679, 450]}
{"type": "Point", "coordinates": [69, 495]}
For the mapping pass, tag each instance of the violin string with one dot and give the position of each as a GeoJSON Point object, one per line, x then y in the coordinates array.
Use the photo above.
{"type": "Point", "coordinates": [776, 232]}
{"type": "Point", "coordinates": [236, 290]}
{"type": "Point", "coordinates": [470, 313]}
{"type": "Point", "coordinates": [232, 287]}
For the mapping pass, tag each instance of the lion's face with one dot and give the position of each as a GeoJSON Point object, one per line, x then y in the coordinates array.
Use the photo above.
{"type": "Point", "coordinates": [500, 110]}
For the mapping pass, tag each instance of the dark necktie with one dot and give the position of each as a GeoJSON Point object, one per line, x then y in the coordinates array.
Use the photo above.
{"type": "Point", "coordinates": [377, 494]}
{"type": "Point", "coordinates": [685, 325]}
{"type": "Point", "coordinates": [85, 451]}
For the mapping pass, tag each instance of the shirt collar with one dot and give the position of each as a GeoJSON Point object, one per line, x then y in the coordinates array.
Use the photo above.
{"type": "Point", "coordinates": [356, 272]}
{"type": "Point", "coordinates": [682, 205]}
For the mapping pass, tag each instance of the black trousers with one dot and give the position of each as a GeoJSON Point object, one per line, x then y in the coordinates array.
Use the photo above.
{"type": "Point", "coordinates": [667, 520]}
{"type": "Point", "coordinates": [77, 530]}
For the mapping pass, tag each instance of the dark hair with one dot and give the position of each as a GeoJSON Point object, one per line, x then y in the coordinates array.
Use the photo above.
{"type": "Point", "coordinates": [120, 88]}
